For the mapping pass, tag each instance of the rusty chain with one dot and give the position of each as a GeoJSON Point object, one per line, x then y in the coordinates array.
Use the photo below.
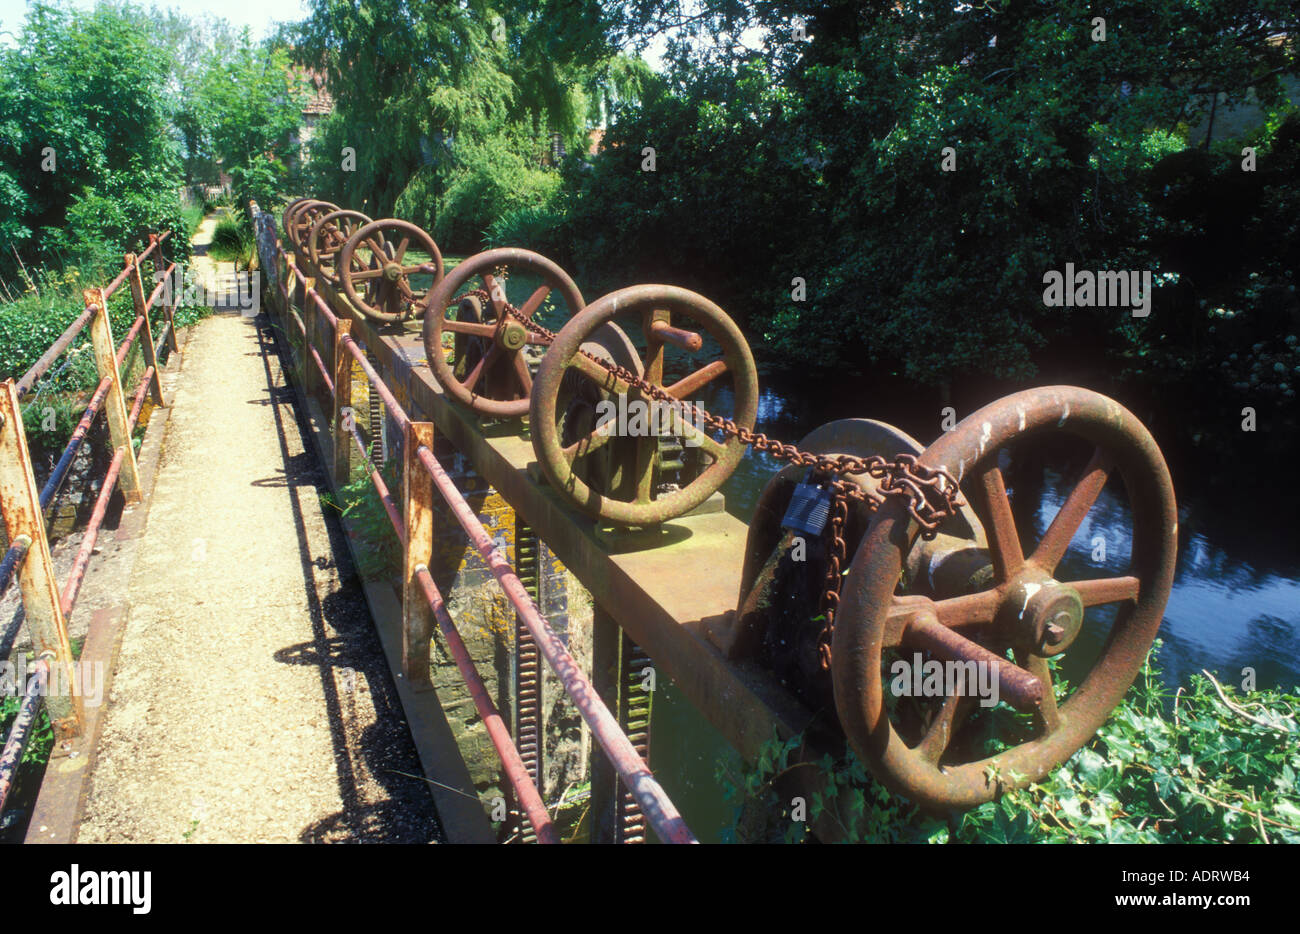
{"type": "Point", "coordinates": [903, 476]}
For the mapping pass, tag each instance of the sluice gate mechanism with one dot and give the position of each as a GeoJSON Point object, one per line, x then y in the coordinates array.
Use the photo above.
{"type": "Point", "coordinates": [869, 552]}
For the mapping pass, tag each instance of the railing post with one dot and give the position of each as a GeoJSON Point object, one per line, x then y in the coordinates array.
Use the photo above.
{"type": "Point", "coordinates": [146, 331]}
{"type": "Point", "coordinates": [342, 403]}
{"type": "Point", "coordinates": [101, 335]}
{"type": "Point", "coordinates": [22, 516]}
{"type": "Point", "coordinates": [311, 378]}
{"type": "Point", "coordinates": [417, 550]}
{"type": "Point", "coordinates": [168, 307]}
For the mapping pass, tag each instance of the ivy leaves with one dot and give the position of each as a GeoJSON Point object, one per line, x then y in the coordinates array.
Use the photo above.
{"type": "Point", "coordinates": [1164, 769]}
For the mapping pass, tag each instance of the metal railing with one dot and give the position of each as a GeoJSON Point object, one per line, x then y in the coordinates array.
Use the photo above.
{"type": "Point", "coordinates": [45, 608]}
{"type": "Point", "coordinates": [412, 521]}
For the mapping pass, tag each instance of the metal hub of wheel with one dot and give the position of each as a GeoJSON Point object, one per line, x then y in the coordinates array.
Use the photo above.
{"type": "Point", "coordinates": [678, 466]}
{"type": "Point", "coordinates": [387, 269]}
{"type": "Point", "coordinates": [1024, 610]}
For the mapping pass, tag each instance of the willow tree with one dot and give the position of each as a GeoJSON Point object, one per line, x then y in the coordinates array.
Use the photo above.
{"type": "Point", "coordinates": [423, 91]}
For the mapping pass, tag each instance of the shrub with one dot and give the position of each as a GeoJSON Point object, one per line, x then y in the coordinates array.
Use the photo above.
{"type": "Point", "coordinates": [233, 240]}
{"type": "Point", "coordinates": [537, 227]}
{"type": "Point", "coordinates": [491, 181]}
{"type": "Point", "coordinates": [1196, 766]}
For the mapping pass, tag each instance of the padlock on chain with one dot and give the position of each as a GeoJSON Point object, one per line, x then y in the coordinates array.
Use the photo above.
{"type": "Point", "coordinates": [810, 507]}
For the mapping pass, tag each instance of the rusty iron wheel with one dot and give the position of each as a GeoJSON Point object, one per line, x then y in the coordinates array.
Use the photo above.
{"type": "Point", "coordinates": [301, 218]}
{"type": "Point", "coordinates": [500, 382]}
{"type": "Point", "coordinates": [1025, 611]}
{"type": "Point", "coordinates": [376, 274]}
{"type": "Point", "coordinates": [651, 310]}
{"type": "Point", "coordinates": [286, 219]}
{"type": "Point", "coordinates": [326, 237]}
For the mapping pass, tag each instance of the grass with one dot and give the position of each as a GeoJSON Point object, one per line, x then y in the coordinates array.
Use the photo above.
{"type": "Point", "coordinates": [193, 215]}
{"type": "Point", "coordinates": [233, 241]}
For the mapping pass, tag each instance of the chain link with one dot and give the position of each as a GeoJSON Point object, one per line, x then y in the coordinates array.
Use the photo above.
{"type": "Point", "coordinates": [932, 493]}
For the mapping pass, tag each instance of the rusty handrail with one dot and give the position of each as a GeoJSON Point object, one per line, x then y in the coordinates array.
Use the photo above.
{"type": "Point", "coordinates": [516, 772]}
{"type": "Point", "coordinates": [659, 810]}
{"type": "Point", "coordinates": [39, 368]}
{"type": "Point", "coordinates": [21, 732]}
{"type": "Point", "coordinates": [135, 264]}
{"type": "Point", "coordinates": [25, 510]}
{"type": "Point", "coordinates": [74, 443]}
{"type": "Point", "coordinates": [9, 566]}
{"type": "Point", "coordinates": [511, 761]}
{"type": "Point", "coordinates": [636, 775]}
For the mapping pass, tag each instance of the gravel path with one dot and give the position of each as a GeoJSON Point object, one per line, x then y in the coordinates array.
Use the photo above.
{"type": "Point", "coordinates": [252, 701]}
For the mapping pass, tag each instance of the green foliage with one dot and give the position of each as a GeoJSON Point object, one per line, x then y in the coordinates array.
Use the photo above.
{"type": "Point", "coordinates": [378, 550]}
{"type": "Point", "coordinates": [446, 112]}
{"type": "Point", "coordinates": [1164, 769]}
{"type": "Point", "coordinates": [192, 216]}
{"type": "Point", "coordinates": [41, 741]}
{"type": "Point", "coordinates": [536, 227]}
{"type": "Point", "coordinates": [490, 181]}
{"type": "Point", "coordinates": [87, 165]}
{"type": "Point", "coordinates": [233, 240]}
{"type": "Point", "coordinates": [30, 324]}
{"type": "Point", "coordinates": [823, 160]}
{"type": "Point", "coordinates": [245, 108]}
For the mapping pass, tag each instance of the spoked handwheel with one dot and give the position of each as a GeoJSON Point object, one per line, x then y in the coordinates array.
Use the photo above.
{"type": "Point", "coordinates": [388, 267]}
{"type": "Point", "coordinates": [326, 237]}
{"type": "Point", "coordinates": [286, 219]}
{"type": "Point", "coordinates": [1026, 612]}
{"type": "Point", "coordinates": [679, 457]}
{"type": "Point", "coordinates": [489, 370]}
{"type": "Point", "coordinates": [299, 220]}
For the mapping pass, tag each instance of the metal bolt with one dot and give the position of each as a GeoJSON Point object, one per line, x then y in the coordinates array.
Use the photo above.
{"type": "Point", "coordinates": [1054, 633]}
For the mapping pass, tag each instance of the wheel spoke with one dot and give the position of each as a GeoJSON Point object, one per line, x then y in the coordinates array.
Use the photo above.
{"type": "Point", "coordinates": [704, 440]}
{"type": "Point", "coordinates": [646, 448]}
{"type": "Point", "coordinates": [1073, 511]}
{"type": "Point", "coordinates": [939, 734]}
{"type": "Point", "coordinates": [1016, 686]}
{"type": "Point", "coordinates": [535, 301]}
{"type": "Point", "coordinates": [1106, 590]}
{"type": "Point", "coordinates": [1046, 717]}
{"type": "Point", "coordinates": [496, 294]}
{"type": "Point", "coordinates": [597, 374]}
{"type": "Point", "coordinates": [401, 249]}
{"type": "Point", "coordinates": [968, 610]}
{"type": "Point", "coordinates": [596, 439]}
{"type": "Point", "coordinates": [1003, 540]}
{"type": "Point", "coordinates": [521, 372]}
{"type": "Point", "coordinates": [469, 327]}
{"type": "Point", "coordinates": [376, 249]}
{"type": "Point", "coordinates": [367, 274]}
{"type": "Point", "coordinates": [472, 380]}
{"type": "Point", "coordinates": [695, 381]}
